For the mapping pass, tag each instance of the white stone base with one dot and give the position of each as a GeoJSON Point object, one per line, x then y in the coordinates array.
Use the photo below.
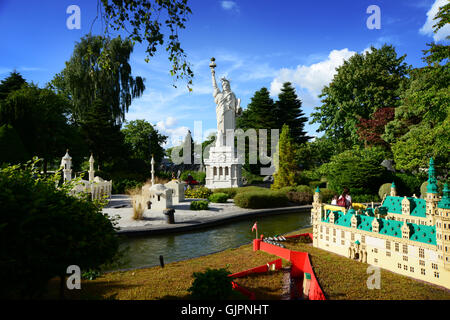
{"type": "Point", "coordinates": [222, 169]}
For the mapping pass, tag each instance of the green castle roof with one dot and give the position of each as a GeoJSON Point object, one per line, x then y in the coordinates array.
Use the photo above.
{"type": "Point", "coordinates": [445, 201]}
{"type": "Point", "coordinates": [317, 189]}
{"type": "Point", "coordinates": [394, 205]}
{"type": "Point", "coordinates": [432, 186]}
{"type": "Point", "coordinates": [392, 228]}
{"type": "Point", "coordinates": [393, 184]}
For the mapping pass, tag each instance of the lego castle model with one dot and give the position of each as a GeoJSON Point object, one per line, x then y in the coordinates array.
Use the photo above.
{"type": "Point", "coordinates": [405, 235]}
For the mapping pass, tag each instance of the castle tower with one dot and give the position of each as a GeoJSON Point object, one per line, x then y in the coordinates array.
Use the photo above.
{"type": "Point", "coordinates": [443, 228]}
{"type": "Point", "coordinates": [316, 215]}
{"type": "Point", "coordinates": [153, 170]}
{"type": "Point", "coordinates": [66, 164]}
{"type": "Point", "coordinates": [91, 169]}
{"type": "Point", "coordinates": [432, 196]}
{"type": "Point", "coordinates": [393, 190]}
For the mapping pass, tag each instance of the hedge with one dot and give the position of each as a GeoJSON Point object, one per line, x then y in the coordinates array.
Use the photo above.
{"type": "Point", "coordinates": [218, 197]}
{"type": "Point", "coordinates": [261, 199]}
{"type": "Point", "coordinates": [199, 205]}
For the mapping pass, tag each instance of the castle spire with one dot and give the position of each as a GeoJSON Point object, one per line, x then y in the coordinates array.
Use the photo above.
{"type": "Point", "coordinates": [432, 182]}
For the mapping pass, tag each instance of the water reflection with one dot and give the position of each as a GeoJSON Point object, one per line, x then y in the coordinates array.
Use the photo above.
{"type": "Point", "coordinates": [145, 251]}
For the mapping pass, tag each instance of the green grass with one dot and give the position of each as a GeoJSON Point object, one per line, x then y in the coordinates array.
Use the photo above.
{"type": "Point", "coordinates": [339, 278]}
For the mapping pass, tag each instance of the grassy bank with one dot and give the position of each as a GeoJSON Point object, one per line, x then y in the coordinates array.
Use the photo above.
{"type": "Point", "coordinates": [339, 277]}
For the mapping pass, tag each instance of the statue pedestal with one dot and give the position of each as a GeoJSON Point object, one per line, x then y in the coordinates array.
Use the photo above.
{"type": "Point", "coordinates": [222, 168]}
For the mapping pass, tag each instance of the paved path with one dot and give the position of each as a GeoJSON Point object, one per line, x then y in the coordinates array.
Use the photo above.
{"type": "Point", "coordinates": [185, 219]}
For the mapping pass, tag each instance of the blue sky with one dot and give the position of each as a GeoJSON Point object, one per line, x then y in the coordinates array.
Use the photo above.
{"type": "Point", "coordinates": [256, 44]}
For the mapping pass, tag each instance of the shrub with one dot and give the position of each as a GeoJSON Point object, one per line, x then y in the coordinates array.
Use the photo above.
{"type": "Point", "coordinates": [218, 197]}
{"type": "Point", "coordinates": [304, 188]}
{"type": "Point", "coordinates": [44, 230]}
{"type": "Point", "coordinates": [120, 186]}
{"type": "Point", "coordinates": [385, 189]}
{"type": "Point", "coordinates": [315, 183]}
{"type": "Point", "coordinates": [199, 205]}
{"type": "Point", "coordinates": [261, 199]}
{"type": "Point", "coordinates": [199, 176]}
{"type": "Point", "coordinates": [230, 192]}
{"type": "Point", "coordinates": [212, 284]}
{"type": "Point", "coordinates": [407, 184]}
{"type": "Point", "coordinates": [327, 195]}
{"type": "Point", "coordinates": [300, 197]}
{"type": "Point", "coordinates": [198, 193]}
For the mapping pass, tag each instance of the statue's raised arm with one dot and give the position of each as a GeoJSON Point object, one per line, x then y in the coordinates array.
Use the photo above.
{"type": "Point", "coordinates": [212, 65]}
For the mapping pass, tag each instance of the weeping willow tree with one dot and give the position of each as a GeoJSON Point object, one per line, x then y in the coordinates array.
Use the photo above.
{"type": "Point", "coordinates": [99, 70]}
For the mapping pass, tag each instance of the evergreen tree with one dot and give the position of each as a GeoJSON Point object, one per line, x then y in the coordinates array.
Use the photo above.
{"type": "Point", "coordinates": [259, 113]}
{"type": "Point", "coordinates": [102, 135]}
{"type": "Point", "coordinates": [286, 165]}
{"type": "Point", "coordinates": [12, 83]}
{"type": "Point", "coordinates": [288, 110]}
{"type": "Point", "coordinates": [13, 150]}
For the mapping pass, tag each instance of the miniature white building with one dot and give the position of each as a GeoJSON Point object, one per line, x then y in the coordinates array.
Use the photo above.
{"type": "Point", "coordinates": [177, 189]}
{"type": "Point", "coordinates": [160, 198]}
{"type": "Point", "coordinates": [96, 186]}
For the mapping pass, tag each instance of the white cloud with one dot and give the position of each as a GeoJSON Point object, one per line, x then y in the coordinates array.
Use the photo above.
{"type": "Point", "coordinates": [313, 77]}
{"type": "Point", "coordinates": [427, 28]}
{"type": "Point", "coordinates": [176, 135]}
{"type": "Point", "coordinates": [229, 5]}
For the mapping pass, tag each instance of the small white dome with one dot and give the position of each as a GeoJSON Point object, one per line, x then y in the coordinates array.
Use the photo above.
{"type": "Point", "coordinates": [158, 189]}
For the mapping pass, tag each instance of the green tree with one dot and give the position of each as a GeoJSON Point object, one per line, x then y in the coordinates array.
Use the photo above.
{"type": "Point", "coordinates": [145, 17]}
{"type": "Point", "coordinates": [288, 110]}
{"type": "Point", "coordinates": [85, 78]}
{"type": "Point", "coordinates": [358, 169]}
{"type": "Point", "coordinates": [13, 82]}
{"type": "Point", "coordinates": [13, 150]}
{"type": "Point", "coordinates": [40, 118]}
{"type": "Point", "coordinates": [363, 84]}
{"type": "Point", "coordinates": [286, 168]}
{"type": "Point", "coordinates": [144, 140]}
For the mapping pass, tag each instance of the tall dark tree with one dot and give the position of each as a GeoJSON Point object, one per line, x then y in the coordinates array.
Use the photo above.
{"type": "Point", "coordinates": [288, 110]}
{"type": "Point", "coordinates": [13, 82]}
{"type": "Point", "coordinates": [102, 135]}
{"type": "Point", "coordinates": [259, 113]}
{"type": "Point", "coordinates": [87, 78]}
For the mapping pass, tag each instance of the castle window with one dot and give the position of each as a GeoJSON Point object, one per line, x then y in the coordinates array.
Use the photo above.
{"type": "Point", "coordinates": [436, 274]}
{"type": "Point", "coordinates": [328, 230]}
{"type": "Point", "coordinates": [334, 232]}
{"type": "Point", "coordinates": [226, 171]}
{"type": "Point", "coordinates": [342, 234]}
{"type": "Point", "coordinates": [328, 238]}
{"type": "Point", "coordinates": [422, 271]}
{"type": "Point", "coordinates": [353, 236]}
{"type": "Point", "coordinates": [434, 266]}
{"type": "Point", "coordinates": [411, 269]}
{"type": "Point", "coordinates": [375, 260]}
{"type": "Point", "coordinates": [399, 265]}
{"type": "Point", "coordinates": [321, 236]}
{"type": "Point", "coordinates": [405, 267]}
{"type": "Point", "coordinates": [215, 171]}
{"type": "Point", "coordinates": [422, 262]}
{"type": "Point", "coordinates": [405, 248]}
{"type": "Point", "coordinates": [334, 240]}
{"type": "Point", "coordinates": [363, 239]}
{"type": "Point", "coordinates": [421, 253]}
{"type": "Point", "coordinates": [405, 258]}
{"type": "Point", "coordinates": [388, 253]}
{"type": "Point", "coordinates": [397, 247]}
{"type": "Point", "coordinates": [342, 242]}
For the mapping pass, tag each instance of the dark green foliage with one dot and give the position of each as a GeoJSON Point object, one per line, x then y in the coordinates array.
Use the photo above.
{"type": "Point", "coordinates": [261, 199]}
{"type": "Point", "coordinates": [13, 82]}
{"type": "Point", "coordinates": [218, 197]}
{"type": "Point", "coordinates": [198, 176]}
{"type": "Point", "coordinates": [288, 111]}
{"type": "Point", "coordinates": [423, 188]}
{"type": "Point", "coordinates": [44, 230]}
{"type": "Point", "coordinates": [199, 205]}
{"type": "Point", "coordinates": [120, 186]}
{"type": "Point", "coordinates": [252, 178]}
{"type": "Point", "coordinates": [12, 149]}
{"type": "Point", "coordinates": [103, 137]}
{"type": "Point", "coordinates": [359, 170]}
{"type": "Point", "coordinates": [230, 192]}
{"type": "Point", "coordinates": [212, 284]}
{"type": "Point", "coordinates": [300, 197]}
{"type": "Point", "coordinates": [286, 166]}
{"type": "Point", "coordinates": [408, 184]}
{"type": "Point", "coordinates": [365, 198]}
